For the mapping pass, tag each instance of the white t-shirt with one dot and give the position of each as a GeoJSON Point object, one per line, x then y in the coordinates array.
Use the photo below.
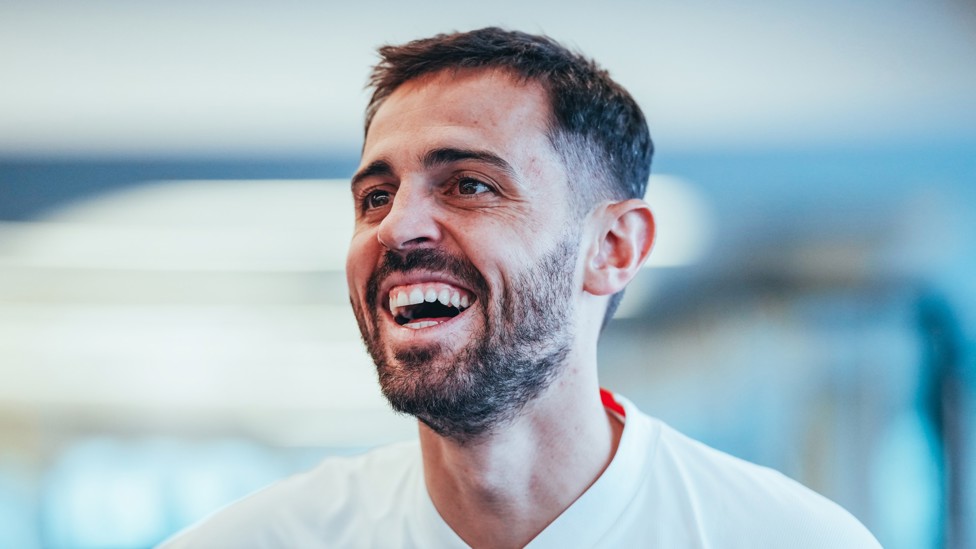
{"type": "Point", "coordinates": [661, 489]}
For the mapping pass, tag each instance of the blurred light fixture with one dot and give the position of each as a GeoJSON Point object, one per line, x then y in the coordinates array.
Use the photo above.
{"type": "Point", "coordinates": [238, 226]}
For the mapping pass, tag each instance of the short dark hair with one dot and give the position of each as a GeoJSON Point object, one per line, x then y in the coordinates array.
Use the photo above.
{"type": "Point", "coordinates": [595, 125]}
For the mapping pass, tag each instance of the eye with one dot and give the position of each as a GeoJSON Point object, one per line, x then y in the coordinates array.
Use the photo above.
{"type": "Point", "coordinates": [376, 199]}
{"type": "Point", "coordinates": [470, 185]}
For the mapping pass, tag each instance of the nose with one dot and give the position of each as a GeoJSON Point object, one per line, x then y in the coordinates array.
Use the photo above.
{"type": "Point", "coordinates": [411, 221]}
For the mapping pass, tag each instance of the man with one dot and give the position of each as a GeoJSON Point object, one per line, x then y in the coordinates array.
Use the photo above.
{"type": "Point", "coordinates": [499, 216]}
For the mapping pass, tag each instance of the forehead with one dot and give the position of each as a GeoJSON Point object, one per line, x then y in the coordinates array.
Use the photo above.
{"type": "Point", "coordinates": [468, 108]}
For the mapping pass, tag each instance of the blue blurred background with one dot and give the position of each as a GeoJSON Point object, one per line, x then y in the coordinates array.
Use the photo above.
{"type": "Point", "coordinates": [174, 323]}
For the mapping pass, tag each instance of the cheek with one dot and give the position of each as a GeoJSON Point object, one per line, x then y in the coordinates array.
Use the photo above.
{"type": "Point", "coordinates": [362, 255]}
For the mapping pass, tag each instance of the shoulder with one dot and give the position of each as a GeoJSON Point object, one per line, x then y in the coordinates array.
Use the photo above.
{"type": "Point", "coordinates": [338, 497]}
{"type": "Point", "coordinates": [732, 499]}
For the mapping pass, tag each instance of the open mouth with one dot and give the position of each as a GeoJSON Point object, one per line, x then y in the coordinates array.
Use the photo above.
{"type": "Point", "coordinates": [423, 305]}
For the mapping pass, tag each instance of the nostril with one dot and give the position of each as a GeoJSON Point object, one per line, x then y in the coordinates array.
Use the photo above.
{"type": "Point", "coordinates": [394, 245]}
{"type": "Point", "coordinates": [403, 240]}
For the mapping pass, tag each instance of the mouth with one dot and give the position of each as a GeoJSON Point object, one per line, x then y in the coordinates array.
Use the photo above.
{"type": "Point", "coordinates": [418, 306]}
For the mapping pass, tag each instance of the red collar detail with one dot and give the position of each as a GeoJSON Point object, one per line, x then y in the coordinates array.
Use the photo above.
{"type": "Point", "coordinates": [610, 403]}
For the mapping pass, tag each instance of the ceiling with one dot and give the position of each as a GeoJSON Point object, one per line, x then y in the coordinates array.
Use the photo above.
{"type": "Point", "coordinates": [216, 78]}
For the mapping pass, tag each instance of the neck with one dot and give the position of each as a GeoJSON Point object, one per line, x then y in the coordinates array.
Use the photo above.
{"type": "Point", "coordinates": [505, 488]}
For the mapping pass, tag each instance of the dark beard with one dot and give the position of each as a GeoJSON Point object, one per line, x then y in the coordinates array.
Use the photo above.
{"type": "Point", "coordinates": [527, 337]}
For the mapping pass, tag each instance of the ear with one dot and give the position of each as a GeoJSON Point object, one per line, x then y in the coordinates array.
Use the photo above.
{"type": "Point", "coordinates": [623, 239]}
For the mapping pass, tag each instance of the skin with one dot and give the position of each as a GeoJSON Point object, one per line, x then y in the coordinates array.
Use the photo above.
{"type": "Point", "coordinates": [502, 210]}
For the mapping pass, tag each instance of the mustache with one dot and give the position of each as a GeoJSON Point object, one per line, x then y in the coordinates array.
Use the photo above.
{"type": "Point", "coordinates": [424, 259]}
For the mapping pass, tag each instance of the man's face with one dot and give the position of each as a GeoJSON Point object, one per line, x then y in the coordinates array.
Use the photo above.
{"type": "Point", "coordinates": [463, 266]}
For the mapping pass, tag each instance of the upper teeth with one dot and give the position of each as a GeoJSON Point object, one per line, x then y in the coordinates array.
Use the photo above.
{"type": "Point", "coordinates": [415, 295]}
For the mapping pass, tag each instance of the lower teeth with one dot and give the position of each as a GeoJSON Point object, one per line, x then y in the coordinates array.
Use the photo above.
{"type": "Point", "coordinates": [421, 324]}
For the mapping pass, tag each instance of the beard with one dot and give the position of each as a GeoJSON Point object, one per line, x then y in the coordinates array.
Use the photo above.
{"type": "Point", "coordinates": [526, 335]}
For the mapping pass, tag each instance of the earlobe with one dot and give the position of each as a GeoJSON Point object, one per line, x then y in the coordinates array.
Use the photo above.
{"type": "Point", "coordinates": [622, 244]}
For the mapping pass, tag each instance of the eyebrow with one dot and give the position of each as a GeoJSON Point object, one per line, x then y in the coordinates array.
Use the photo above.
{"type": "Point", "coordinates": [375, 168]}
{"type": "Point", "coordinates": [436, 158]}
{"type": "Point", "coordinates": [440, 157]}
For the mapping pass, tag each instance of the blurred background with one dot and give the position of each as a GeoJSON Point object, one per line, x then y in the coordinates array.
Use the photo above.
{"type": "Point", "coordinates": [174, 323]}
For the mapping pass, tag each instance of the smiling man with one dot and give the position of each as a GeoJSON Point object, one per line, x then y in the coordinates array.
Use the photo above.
{"type": "Point", "coordinates": [499, 216]}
